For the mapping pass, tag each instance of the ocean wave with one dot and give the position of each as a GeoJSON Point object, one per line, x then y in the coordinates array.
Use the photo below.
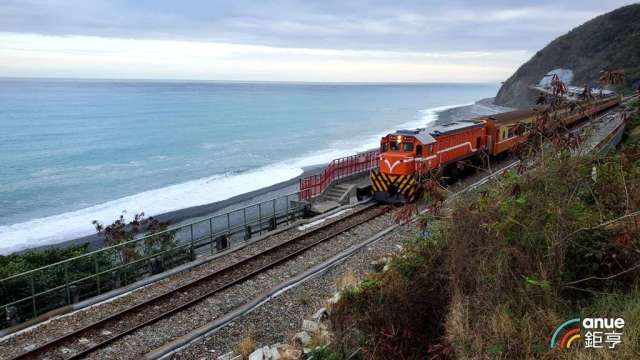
{"type": "Point", "coordinates": [424, 119]}
{"type": "Point", "coordinates": [75, 224]}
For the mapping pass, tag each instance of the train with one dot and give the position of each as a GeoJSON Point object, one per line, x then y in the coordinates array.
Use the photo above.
{"type": "Point", "coordinates": [407, 156]}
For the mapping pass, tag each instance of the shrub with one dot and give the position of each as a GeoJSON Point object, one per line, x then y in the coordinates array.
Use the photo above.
{"type": "Point", "coordinates": [397, 313]}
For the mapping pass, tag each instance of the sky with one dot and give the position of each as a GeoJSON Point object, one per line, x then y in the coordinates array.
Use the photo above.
{"type": "Point", "coordinates": [282, 40]}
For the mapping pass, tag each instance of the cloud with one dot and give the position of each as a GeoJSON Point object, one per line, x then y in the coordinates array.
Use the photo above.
{"type": "Point", "coordinates": [355, 24]}
{"type": "Point", "coordinates": [86, 56]}
{"type": "Point", "coordinates": [235, 39]}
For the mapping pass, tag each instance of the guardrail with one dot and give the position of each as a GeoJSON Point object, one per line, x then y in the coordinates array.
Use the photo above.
{"type": "Point", "coordinates": [26, 295]}
{"type": "Point", "coordinates": [314, 185]}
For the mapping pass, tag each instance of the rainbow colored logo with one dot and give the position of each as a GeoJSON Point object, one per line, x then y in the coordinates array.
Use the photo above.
{"type": "Point", "coordinates": [571, 331]}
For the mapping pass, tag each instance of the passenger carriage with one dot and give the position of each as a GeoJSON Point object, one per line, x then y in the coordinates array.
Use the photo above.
{"type": "Point", "coordinates": [406, 156]}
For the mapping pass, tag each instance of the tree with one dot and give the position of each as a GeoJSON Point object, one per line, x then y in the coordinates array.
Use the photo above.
{"type": "Point", "coordinates": [121, 232]}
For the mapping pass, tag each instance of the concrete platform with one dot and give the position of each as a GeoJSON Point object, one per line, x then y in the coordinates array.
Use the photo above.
{"type": "Point", "coordinates": [341, 192]}
{"type": "Point", "coordinates": [605, 131]}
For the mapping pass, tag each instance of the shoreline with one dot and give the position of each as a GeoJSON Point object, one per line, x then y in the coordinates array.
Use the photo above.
{"type": "Point", "coordinates": [190, 214]}
{"type": "Point", "coordinates": [193, 213]}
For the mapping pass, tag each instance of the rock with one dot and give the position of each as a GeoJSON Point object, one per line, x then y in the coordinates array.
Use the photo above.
{"type": "Point", "coordinates": [284, 352]}
{"type": "Point", "coordinates": [310, 326]}
{"type": "Point", "coordinates": [227, 356]}
{"type": "Point", "coordinates": [83, 341]}
{"type": "Point", "coordinates": [29, 347]}
{"type": "Point", "coordinates": [106, 332]}
{"type": "Point", "coordinates": [377, 265]}
{"type": "Point", "coordinates": [335, 298]}
{"type": "Point", "coordinates": [256, 355]}
{"type": "Point", "coordinates": [302, 338]}
{"type": "Point", "coordinates": [65, 350]}
{"type": "Point", "coordinates": [321, 315]}
{"type": "Point", "coordinates": [292, 354]}
{"type": "Point", "coordinates": [261, 354]}
{"type": "Point", "coordinates": [386, 268]}
{"type": "Point", "coordinates": [274, 353]}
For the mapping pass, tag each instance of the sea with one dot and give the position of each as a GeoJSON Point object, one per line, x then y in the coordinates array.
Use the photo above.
{"type": "Point", "coordinates": [74, 151]}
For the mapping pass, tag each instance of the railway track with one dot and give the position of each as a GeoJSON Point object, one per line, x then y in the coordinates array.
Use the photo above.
{"type": "Point", "coordinates": [88, 339]}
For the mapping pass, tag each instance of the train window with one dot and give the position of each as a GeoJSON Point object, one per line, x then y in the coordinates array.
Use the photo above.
{"type": "Point", "coordinates": [407, 146]}
{"type": "Point", "coordinates": [395, 146]}
{"type": "Point", "coordinates": [419, 150]}
{"type": "Point", "coordinates": [384, 147]}
{"type": "Point", "coordinates": [512, 132]}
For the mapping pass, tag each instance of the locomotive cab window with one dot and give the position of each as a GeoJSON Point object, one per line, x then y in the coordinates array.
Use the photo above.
{"type": "Point", "coordinates": [384, 147]}
{"type": "Point", "coordinates": [407, 146]}
{"type": "Point", "coordinates": [395, 146]}
{"type": "Point", "coordinates": [419, 150]}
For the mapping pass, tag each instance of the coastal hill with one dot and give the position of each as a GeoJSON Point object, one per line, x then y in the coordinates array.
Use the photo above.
{"type": "Point", "coordinates": [611, 41]}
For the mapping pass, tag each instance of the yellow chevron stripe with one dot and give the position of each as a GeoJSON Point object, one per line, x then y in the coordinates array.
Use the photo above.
{"type": "Point", "coordinates": [379, 185]}
{"type": "Point", "coordinates": [411, 191]}
{"type": "Point", "coordinates": [372, 180]}
{"type": "Point", "coordinates": [372, 177]}
{"type": "Point", "coordinates": [374, 186]}
{"type": "Point", "coordinates": [375, 183]}
{"type": "Point", "coordinates": [379, 182]}
{"type": "Point", "coordinates": [403, 184]}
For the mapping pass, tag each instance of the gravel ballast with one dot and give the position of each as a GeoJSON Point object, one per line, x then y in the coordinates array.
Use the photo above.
{"type": "Point", "coordinates": [39, 334]}
{"type": "Point", "coordinates": [277, 320]}
{"type": "Point", "coordinates": [151, 337]}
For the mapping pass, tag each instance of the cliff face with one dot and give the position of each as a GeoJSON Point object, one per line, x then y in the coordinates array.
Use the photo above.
{"type": "Point", "coordinates": [609, 41]}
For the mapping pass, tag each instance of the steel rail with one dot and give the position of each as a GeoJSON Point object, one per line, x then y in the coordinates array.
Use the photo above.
{"type": "Point", "coordinates": [34, 353]}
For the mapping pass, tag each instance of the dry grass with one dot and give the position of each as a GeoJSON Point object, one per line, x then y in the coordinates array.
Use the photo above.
{"type": "Point", "coordinates": [346, 281]}
{"type": "Point", "coordinates": [247, 345]}
{"type": "Point", "coordinates": [507, 265]}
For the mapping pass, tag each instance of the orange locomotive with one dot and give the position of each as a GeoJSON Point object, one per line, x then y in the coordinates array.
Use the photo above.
{"type": "Point", "coordinates": [407, 155]}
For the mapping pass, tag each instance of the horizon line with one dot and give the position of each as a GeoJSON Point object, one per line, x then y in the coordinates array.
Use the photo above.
{"type": "Point", "coordinates": [250, 81]}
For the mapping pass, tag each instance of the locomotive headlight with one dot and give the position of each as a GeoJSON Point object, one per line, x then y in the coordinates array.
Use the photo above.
{"type": "Point", "coordinates": [399, 139]}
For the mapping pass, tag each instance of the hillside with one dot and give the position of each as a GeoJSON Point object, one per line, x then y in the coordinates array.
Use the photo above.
{"type": "Point", "coordinates": [608, 41]}
{"type": "Point", "coordinates": [491, 274]}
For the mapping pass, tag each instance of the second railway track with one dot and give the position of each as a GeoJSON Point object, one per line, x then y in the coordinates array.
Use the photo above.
{"type": "Point", "coordinates": [99, 334]}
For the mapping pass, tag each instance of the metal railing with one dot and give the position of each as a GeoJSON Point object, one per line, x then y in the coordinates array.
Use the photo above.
{"type": "Point", "coordinates": [314, 185]}
{"type": "Point", "coordinates": [32, 293]}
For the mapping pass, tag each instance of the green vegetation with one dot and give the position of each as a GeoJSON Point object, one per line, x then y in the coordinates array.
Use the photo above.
{"type": "Point", "coordinates": [23, 262]}
{"type": "Point", "coordinates": [504, 266]}
{"type": "Point", "coordinates": [69, 276]}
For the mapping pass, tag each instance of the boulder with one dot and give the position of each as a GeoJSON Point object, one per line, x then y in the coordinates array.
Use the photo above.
{"type": "Point", "coordinates": [310, 326]}
{"type": "Point", "coordinates": [321, 315]}
{"type": "Point", "coordinates": [335, 298]}
{"type": "Point", "coordinates": [285, 352]}
{"type": "Point", "coordinates": [229, 356]}
{"type": "Point", "coordinates": [302, 338]}
{"type": "Point", "coordinates": [261, 354]}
